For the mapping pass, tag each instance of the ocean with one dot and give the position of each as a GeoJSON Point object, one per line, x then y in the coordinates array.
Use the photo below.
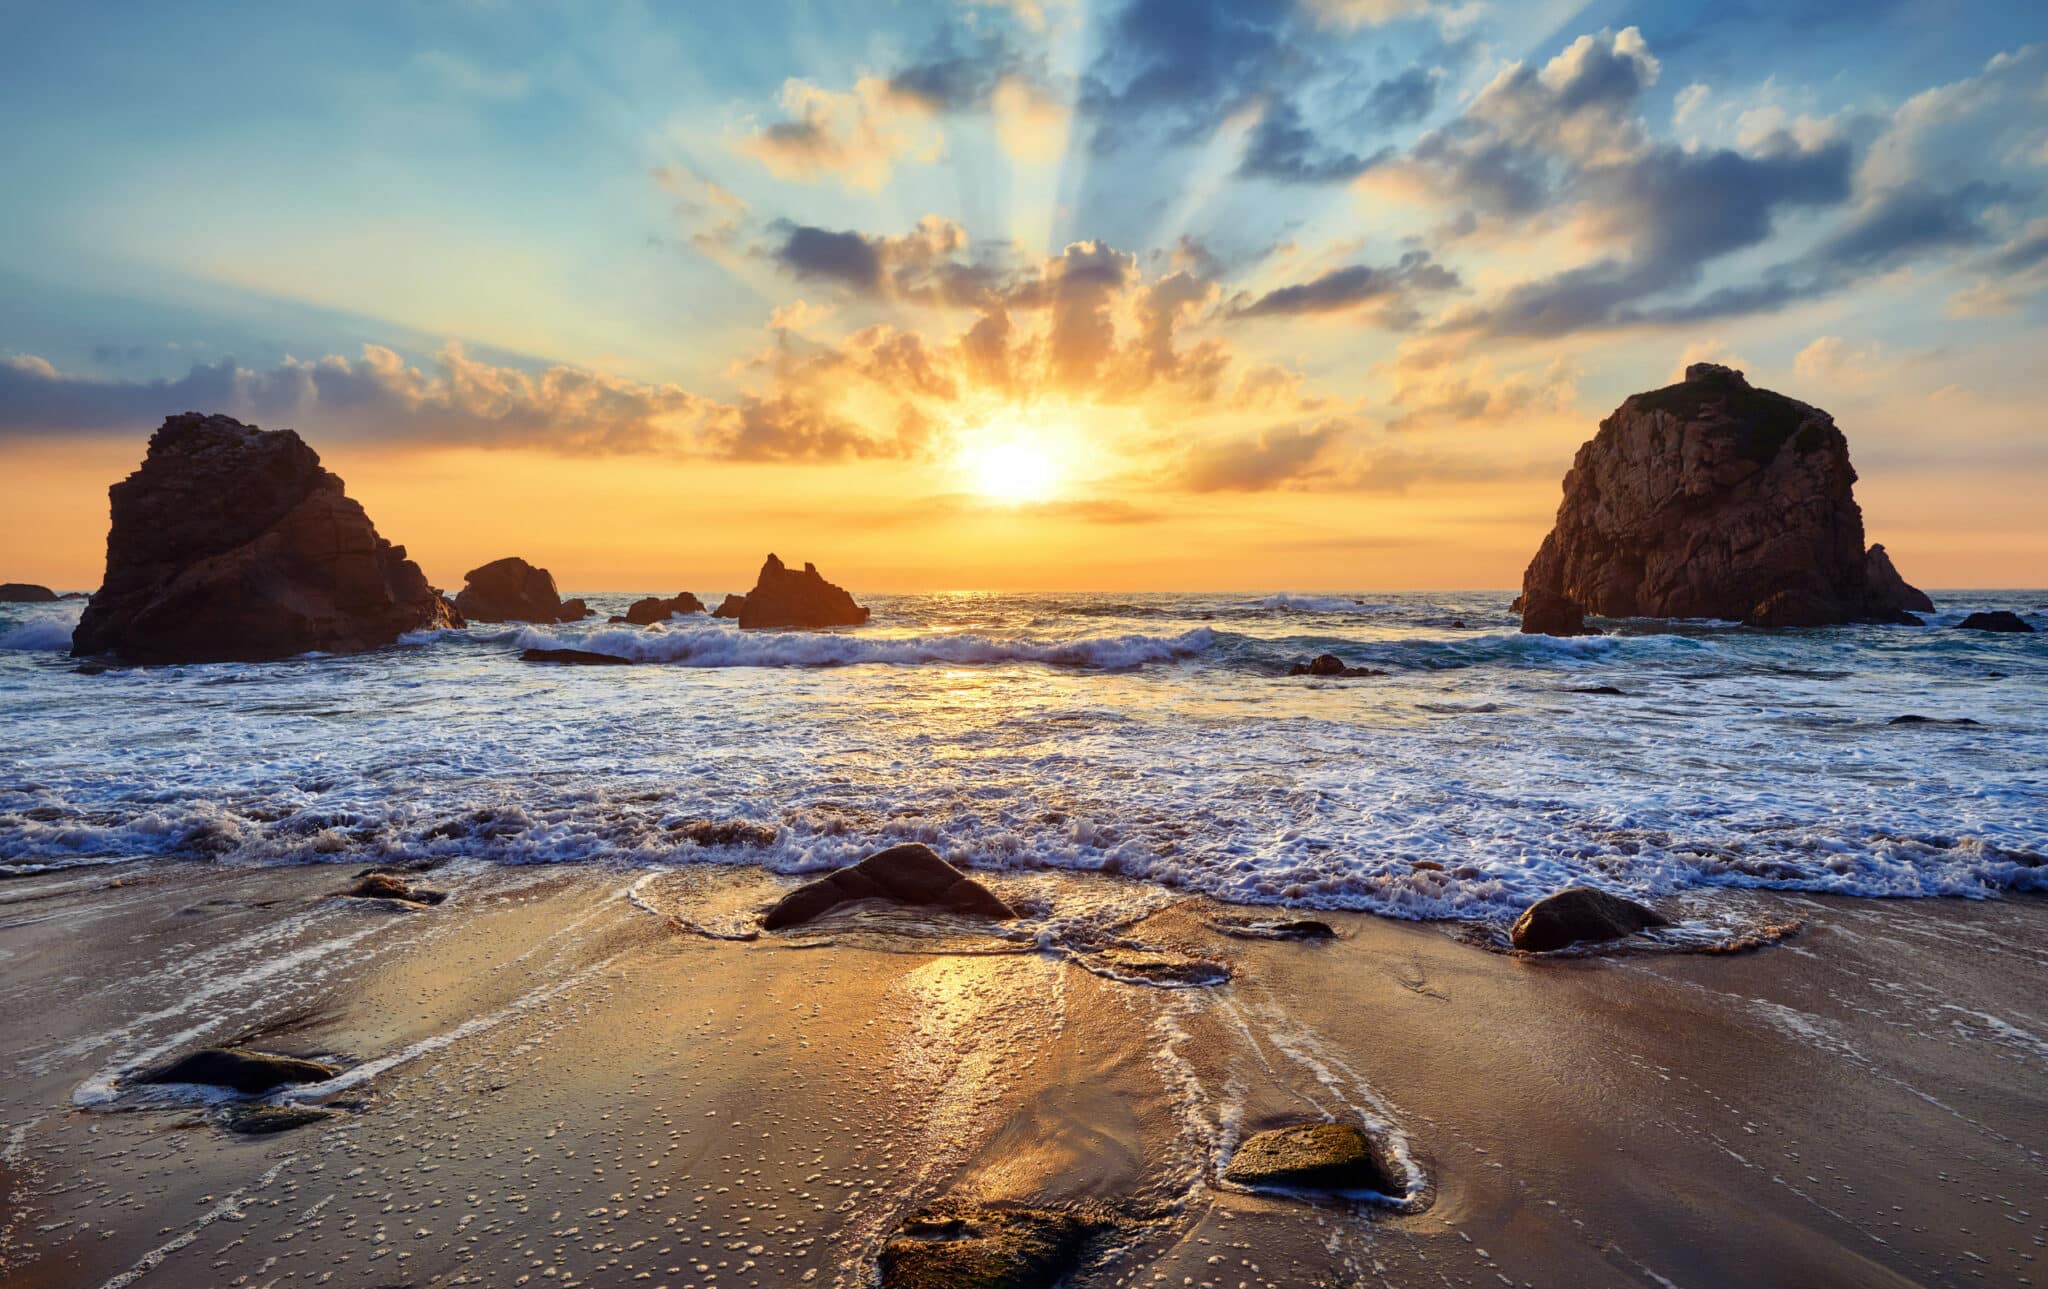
{"type": "Point", "coordinates": [1152, 736]}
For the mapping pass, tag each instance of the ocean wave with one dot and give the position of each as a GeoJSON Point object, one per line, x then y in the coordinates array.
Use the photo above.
{"type": "Point", "coordinates": [43, 634]}
{"type": "Point", "coordinates": [1288, 602]}
{"type": "Point", "coordinates": [730, 647]}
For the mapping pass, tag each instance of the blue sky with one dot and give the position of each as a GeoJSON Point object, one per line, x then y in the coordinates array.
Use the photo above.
{"type": "Point", "coordinates": [1266, 258]}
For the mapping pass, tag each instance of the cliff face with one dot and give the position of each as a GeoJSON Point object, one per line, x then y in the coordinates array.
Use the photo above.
{"type": "Point", "coordinates": [231, 543]}
{"type": "Point", "coordinates": [1714, 499]}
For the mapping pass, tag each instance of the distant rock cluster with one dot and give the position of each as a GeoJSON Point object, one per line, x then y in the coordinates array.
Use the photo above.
{"type": "Point", "coordinates": [1713, 499]}
{"type": "Point", "coordinates": [512, 590]}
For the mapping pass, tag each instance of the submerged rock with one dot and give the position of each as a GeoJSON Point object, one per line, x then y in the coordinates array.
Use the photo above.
{"type": "Point", "coordinates": [1580, 913]}
{"type": "Point", "coordinates": [1144, 965]}
{"type": "Point", "coordinates": [908, 874]}
{"type": "Point", "coordinates": [261, 1120]}
{"type": "Point", "coordinates": [725, 832]}
{"type": "Point", "coordinates": [1546, 613]}
{"type": "Point", "coordinates": [232, 544]}
{"type": "Point", "coordinates": [512, 590]}
{"type": "Point", "coordinates": [26, 593]}
{"type": "Point", "coordinates": [1912, 719]}
{"type": "Point", "coordinates": [1334, 1157]}
{"type": "Point", "coordinates": [985, 1248]}
{"type": "Point", "coordinates": [574, 657]}
{"type": "Point", "coordinates": [655, 609]}
{"type": "Point", "coordinates": [242, 1069]}
{"type": "Point", "coordinates": [1713, 499]}
{"type": "Point", "coordinates": [1996, 620]}
{"type": "Point", "coordinates": [1600, 691]}
{"type": "Point", "coordinates": [806, 600]}
{"type": "Point", "coordinates": [1330, 664]}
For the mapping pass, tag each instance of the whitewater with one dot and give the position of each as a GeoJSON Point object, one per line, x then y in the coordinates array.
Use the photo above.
{"type": "Point", "coordinates": [1153, 736]}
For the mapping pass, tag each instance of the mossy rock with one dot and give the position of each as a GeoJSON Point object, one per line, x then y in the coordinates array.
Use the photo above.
{"type": "Point", "coordinates": [985, 1248]}
{"type": "Point", "coordinates": [1765, 419]}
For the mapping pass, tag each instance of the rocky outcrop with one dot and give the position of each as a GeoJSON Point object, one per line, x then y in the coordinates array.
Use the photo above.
{"type": "Point", "coordinates": [26, 593]}
{"type": "Point", "coordinates": [1714, 499]}
{"type": "Point", "coordinates": [730, 606]}
{"type": "Point", "coordinates": [1546, 613]}
{"type": "Point", "coordinates": [655, 609]}
{"type": "Point", "coordinates": [1996, 620]}
{"type": "Point", "coordinates": [908, 874]}
{"type": "Point", "coordinates": [512, 590]}
{"type": "Point", "coordinates": [1330, 664]}
{"type": "Point", "coordinates": [231, 543]}
{"type": "Point", "coordinates": [804, 600]}
{"type": "Point", "coordinates": [241, 1069]}
{"type": "Point", "coordinates": [1579, 913]}
{"type": "Point", "coordinates": [1315, 1156]}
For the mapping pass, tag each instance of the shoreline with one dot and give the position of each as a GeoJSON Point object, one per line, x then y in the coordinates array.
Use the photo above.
{"type": "Point", "coordinates": [549, 1079]}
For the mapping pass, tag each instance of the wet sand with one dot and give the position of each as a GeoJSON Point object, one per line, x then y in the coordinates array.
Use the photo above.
{"type": "Point", "coordinates": [556, 1081]}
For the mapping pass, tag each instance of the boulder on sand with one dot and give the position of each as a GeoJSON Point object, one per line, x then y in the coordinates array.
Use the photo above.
{"type": "Point", "coordinates": [908, 874]}
{"type": "Point", "coordinates": [240, 1068]}
{"type": "Point", "coordinates": [993, 1247]}
{"type": "Point", "coordinates": [1579, 913]}
{"type": "Point", "coordinates": [1546, 613]}
{"type": "Point", "coordinates": [804, 600]}
{"type": "Point", "coordinates": [1713, 499]}
{"type": "Point", "coordinates": [232, 544]}
{"type": "Point", "coordinates": [1315, 1156]}
{"type": "Point", "coordinates": [512, 590]}
{"type": "Point", "coordinates": [26, 593]}
{"type": "Point", "coordinates": [1996, 620]}
{"type": "Point", "coordinates": [655, 609]}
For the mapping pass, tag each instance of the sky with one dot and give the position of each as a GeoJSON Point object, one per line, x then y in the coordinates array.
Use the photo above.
{"type": "Point", "coordinates": [1019, 294]}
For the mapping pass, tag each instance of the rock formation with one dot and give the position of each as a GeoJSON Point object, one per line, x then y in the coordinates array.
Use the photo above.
{"type": "Point", "coordinates": [908, 874]}
{"type": "Point", "coordinates": [1996, 620]}
{"type": "Point", "coordinates": [1546, 613]}
{"type": "Point", "coordinates": [512, 590]}
{"type": "Point", "coordinates": [26, 593]}
{"type": "Point", "coordinates": [231, 543]}
{"type": "Point", "coordinates": [1579, 913]}
{"type": "Point", "coordinates": [730, 606]}
{"type": "Point", "coordinates": [655, 609]}
{"type": "Point", "coordinates": [781, 598]}
{"type": "Point", "coordinates": [1713, 499]}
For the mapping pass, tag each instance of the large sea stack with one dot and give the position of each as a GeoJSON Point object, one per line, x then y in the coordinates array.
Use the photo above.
{"type": "Point", "coordinates": [232, 544]}
{"type": "Point", "coordinates": [1713, 499]}
{"type": "Point", "coordinates": [781, 598]}
{"type": "Point", "coordinates": [512, 590]}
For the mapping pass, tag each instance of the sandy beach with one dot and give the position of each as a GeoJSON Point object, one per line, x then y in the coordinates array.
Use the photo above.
{"type": "Point", "coordinates": [562, 1076]}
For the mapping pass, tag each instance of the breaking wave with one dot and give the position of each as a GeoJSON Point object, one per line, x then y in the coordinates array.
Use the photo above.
{"type": "Point", "coordinates": [729, 647]}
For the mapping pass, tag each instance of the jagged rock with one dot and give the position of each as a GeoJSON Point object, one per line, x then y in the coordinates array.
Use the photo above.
{"type": "Point", "coordinates": [512, 590]}
{"type": "Point", "coordinates": [232, 544]}
{"type": "Point", "coordinates": [1713, 499]}
{"type": "Point", "coordinates": [952, 1247]}
{"type": "Point", "coordinates": [1579, 913]}
{"type": "Point", "coordinates": [1316, 1157]}
{"type": "Point", "coordinates": [907, 874]}
{"type": "Point", "coordinates": [574, 657]}
{"type": "Point", "coordinates": [240, 1068]}
{"type": "Point", "coordinates": [1997, 620]}
{"type": "Point", "coordinates": [1330, 664]}
{"type": "Point", "coordinates": [804, 600]}
{"type": "Point", "coordinates": [261, 1120]}
{"type": "Point", "coordinates": [730, 606]}
{"type": "Point", "coordinates": [26, 593]}
{"type": "Point", "coordinates": [1546, 613]}
{"type": "Point", "coordinates": [655, 609]}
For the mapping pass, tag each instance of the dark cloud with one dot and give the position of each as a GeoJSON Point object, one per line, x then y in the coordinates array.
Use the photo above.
{"type": "Point", "coordinates": [1282, 148]}
{"type": "Point", "coordinates": [1403, 99]}
{"type": "Point", "coordinates": [850, 259]}
{"type": "Point", "coordinates": [1177, 68]}
{"type": "Point", "coordinates": [1907, 221]}
{"type": "Point", "coordinates": [928, 265]}
{"type": "Point", "coordinates": [1349, 288]}
{"type": "Point", "coordinates": [949, 78]}
{"type": "Point", "coordinates": [116, 355]}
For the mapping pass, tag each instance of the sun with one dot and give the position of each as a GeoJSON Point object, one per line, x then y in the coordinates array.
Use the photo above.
{"type": "Point", "coordinates": [1015, 470]}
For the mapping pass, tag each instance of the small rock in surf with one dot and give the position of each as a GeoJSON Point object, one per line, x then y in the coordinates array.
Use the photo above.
{"type": "Point", "coordinates": [262, 1120]}
{"type": "Point", "coordinates": [908, 874]}
{"type": "Point", "coordinates": [1330, 664]}
{"type": "Point", "coordinates": [1275, 928]}
{"type": "Point", "coordinates": [655, 609]}
{"type": "Point", "coordinates": [1335, 1157]}
{"type": "Point", "coordinates": [1580, 913]}
{"type": "Point", "coordinates": [241, 1069]}
{"type": "Point", "coordinates": [389, 886]}
{"type": "Point", "coordinates": [575, 657]}
{"type": "Point", "coordinates": [986, 1248]}
{"type": "Point", "coordinates": [1997, 620]}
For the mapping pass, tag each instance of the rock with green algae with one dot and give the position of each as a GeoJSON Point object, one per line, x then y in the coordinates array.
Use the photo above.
{"type": "Point", "coordinates": [985, 1248]}
{"type": "Point", "coordinates": [1314, 1157]}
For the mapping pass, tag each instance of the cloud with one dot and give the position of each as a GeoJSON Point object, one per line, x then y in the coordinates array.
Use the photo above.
{"type": "Point", "coordinates": [1403, 99]}
{"type": "Point", "coordinates": [1367, 13]}
{"type": "Point", "coordinates": [927, 265]}
{"type": "Point", "coordinates": [1282, 148]}
{"type": "Point", "coordinates": [856, 136]}
{"type": "Point", "coordinates": [1280, 455]}
{"type": "Point", "coordinates": [1435, 383]}
{"type": "Point", "coordinates": [1346, 289]}
{"type": "Point", "coordinates": [1176, 69]}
